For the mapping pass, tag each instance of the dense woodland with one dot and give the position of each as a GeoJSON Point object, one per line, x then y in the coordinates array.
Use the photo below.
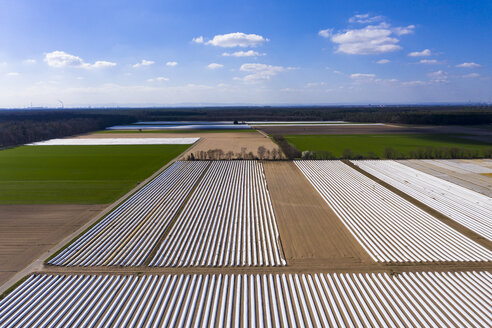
{"type": "Point", "coordinates": [29, 125]}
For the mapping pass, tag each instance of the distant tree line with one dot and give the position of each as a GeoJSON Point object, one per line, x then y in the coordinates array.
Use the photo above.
{"type": "Point", "coordinates": [18, 129]}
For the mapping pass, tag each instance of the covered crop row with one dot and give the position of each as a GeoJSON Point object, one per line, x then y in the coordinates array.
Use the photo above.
{"type": "Point", "coordinates": [467, 207]}
{"type": "Point", "coordinates": [427, 299]}
{"type": "Point", "coordinates": [228, 221]}
{"type": "Point", "coordinates": [127, 235]}
{"type": "Point", "coordinates": [390, 228]}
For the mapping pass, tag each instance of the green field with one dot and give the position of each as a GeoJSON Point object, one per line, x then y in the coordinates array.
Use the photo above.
{"type": "Point", "coordinates": [377, 143]}
{"type": "Point", "coordinates": [77, 174]}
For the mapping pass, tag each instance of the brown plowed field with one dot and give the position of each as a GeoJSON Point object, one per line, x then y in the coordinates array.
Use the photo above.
{"type": "Point", "coordinates": [310, 231]}
{"type": "Point", "coordinates": [27, 231]}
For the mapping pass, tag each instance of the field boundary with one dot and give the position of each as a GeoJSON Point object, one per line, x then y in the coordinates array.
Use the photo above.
{"type": "Point", "coordinates": [154, 250]}
{"type": "Point", "coordinates": [441, 217]}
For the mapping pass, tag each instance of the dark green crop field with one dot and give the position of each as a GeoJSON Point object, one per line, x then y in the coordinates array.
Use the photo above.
{"type": "Point", "coordinates": [77, 174]}
{"type": "Point", "coordinates": [363, 144]}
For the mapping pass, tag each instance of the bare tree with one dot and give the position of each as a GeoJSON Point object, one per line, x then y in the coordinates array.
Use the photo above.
{"type": "Point", "coordinates": [229, 154]}
{"type": "Point", "coordinates": [261, 152]}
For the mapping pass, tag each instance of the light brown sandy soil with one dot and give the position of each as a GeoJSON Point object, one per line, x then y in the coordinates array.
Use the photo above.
{"type": "Point", "coordinates": [27, 231]}
{"type": "Point", "coordinates": [234, 141]}
{"type": "Point", "coordinates": [311, 233]}
{"type": "Point", "coordinates": [480, 183]}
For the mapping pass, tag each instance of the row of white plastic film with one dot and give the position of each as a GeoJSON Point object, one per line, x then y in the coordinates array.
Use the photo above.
{"type": "Point", "coordinates": [390, 228]}
{"type": "Point", "coordinates": [228, 221]}
{"type": "Point", "coordinates": [424, 299]}
{"type": "Point", "coordinates": [467, 207]}
{"type": "Point", "coordinates": [128, 234]}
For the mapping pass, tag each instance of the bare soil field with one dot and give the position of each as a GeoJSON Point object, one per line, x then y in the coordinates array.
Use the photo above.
{"type": "Point", "coordinates": [478, 182]}
{"type": "Point", "coordinates": [27, 231]}
{"type": "Point", "coordinates": [311, 233]}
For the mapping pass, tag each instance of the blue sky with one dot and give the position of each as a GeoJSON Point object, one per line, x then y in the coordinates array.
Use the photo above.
{"type": "Point", "coordinates": [89, 53]}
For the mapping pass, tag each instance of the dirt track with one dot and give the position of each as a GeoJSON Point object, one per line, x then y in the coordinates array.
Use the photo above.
{"type": "Point", "coordinates": [27, 231]}
{"type": "Point", "coordinates": [310, 231]}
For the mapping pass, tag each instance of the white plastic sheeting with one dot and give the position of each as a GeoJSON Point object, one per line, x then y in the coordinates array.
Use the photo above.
{"type": "Point", "coordinates": [424, 299]}
{"type": "Point", "coordinates": [115, 141]}
{"type": "Point", "coordinates": [128, 234]}
{"type": "Point", "coordinates": [467, 207]}
{"type": "Point", "coordinates": [228, 221]}
{"type": "Point", "coordinates": [390, 228]}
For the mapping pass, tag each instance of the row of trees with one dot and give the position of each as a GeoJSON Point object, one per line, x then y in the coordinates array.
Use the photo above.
{"type": "Point", "coordinates": [218, 154]}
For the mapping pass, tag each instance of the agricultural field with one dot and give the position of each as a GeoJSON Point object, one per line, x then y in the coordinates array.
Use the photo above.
{"type": "Point", "coordinates": [469, 208]}
{"type": "Point", "coordinates": [390, 228]}
{"type": "Point", "coordinates": [375, 144]}
{"type": "Point", "coordinates": [475, 175]}
{"type": "Point", "coordinates": [246, 300]}
{"type": "Point", "coordinates": [77, 174]}
{"type": "Point", "coordinates": [128, 234]}
{"type": "Point", "coordinates": [228, 221]}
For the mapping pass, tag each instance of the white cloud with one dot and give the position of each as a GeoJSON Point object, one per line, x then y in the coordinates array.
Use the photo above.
{"type": "Point", "coordinates": [260, 72]}
{"type": "Point", "coordinates": [29, 61]}
{"type": "Point", "coordinates": [326, 33]}
{"type": "Point", "coordinates": [144, 63]}
{"type": "Point", "coordinates": [61, 59]}
{"type": "Point", "coordinates": [469, 65]}
{"type": "Point", "coordinates": [383, 61]}
{"type": "Point", "coordinates": [372, 39]}
{"type": "Point", "coordinates": [249, 53]}
{"type": "Point", "coordinates": [365, 18]}
{"type": "Point", "coordinates": [314, 84]}
{"type": "Point", "coordinates": [198, 39]}
{"type": "Point", "coordinates": [237, 39]}
{"type": "Point", "coordinates": [471, 75]}
{"type": "Point", "coordinates": [214, 66]}
{"type": "Point", "coordinates": [12, 74]}
{"type": "Point", "coordinates": [428, 61]}
{"type": "Point", "coordinates": [362, 76]}
{"type": "Point", "coordinates": [158, 79]}
{"type": "Point", "coordinates": [171, 63]}
{"type": "Point", "coordinates": [102, 64]}
{"type": "Point", "coordinates": [423, 53]}
{"type": "Point", "coordinates": [438, 76]}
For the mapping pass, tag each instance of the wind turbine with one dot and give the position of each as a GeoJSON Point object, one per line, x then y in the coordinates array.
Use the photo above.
{"type": "Point", "coordinates": [61, 102]}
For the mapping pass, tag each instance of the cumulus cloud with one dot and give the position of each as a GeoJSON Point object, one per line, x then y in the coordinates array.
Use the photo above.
{"type": "Point", "coordinates": [383, 61]}
{"type": "Point", "coordinates": [365, 18]}
{"type": "Point", "coordinates": [249, 53]}
{"type": "Point", "coordinates": [260, 72]}
{"type": "Point", "coordinates": [469, 65]}
{"type": "Point", "coordinates": [13, 74]}
{"type": "Point", "coordinates": [198, 39]}
{"type": "Point", "coordinates": [362, 76]}
{"type": "Point", "coordinates": [29, 61]}
{"type": "Point", "coordinates": [438, 76]}
{"type": "Point", "coordinates": [144, 63]}
{"type": "Point", "coordinates": [428, 61]}
{"type": "Point", "coordinates": [232, 40]}
{"type": "Point", "coordinates": [372, 39]}
{"type": "Point", "coordinates": [423, 53]}
{"type": "Point", "coordinates": [471, 75]}
{"type": "Point", "coordinates": [158, 79]}
{"type": "Point", "coordinates": [214, 66]}
{"type": "Point", "coordinates": [61, 59]}
{"type": "Point", "coordinates": [171, 63]}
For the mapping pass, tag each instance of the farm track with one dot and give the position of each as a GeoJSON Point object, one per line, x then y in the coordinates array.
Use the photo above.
{"type": "Point", "coordinates": [470, 209]}
{"type": "Point", "coordinates": [273, 300]}
{"type": "Point", "coordinates": [389, 227]}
